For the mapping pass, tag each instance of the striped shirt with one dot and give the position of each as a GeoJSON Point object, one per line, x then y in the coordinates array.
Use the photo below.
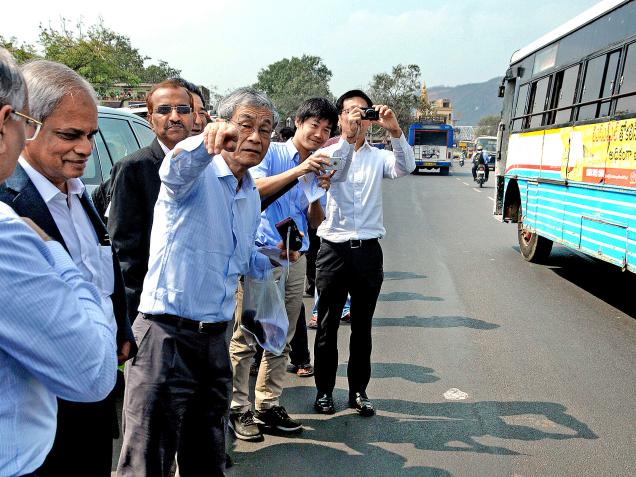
{"type": "Point", "coordinates": [55, 340]}
{"type": "Point", "coordinates": [202, 236]}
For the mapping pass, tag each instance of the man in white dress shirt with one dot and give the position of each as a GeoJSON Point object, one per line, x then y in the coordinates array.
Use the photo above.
{"type": "Point", "coordinates": [350, 256]}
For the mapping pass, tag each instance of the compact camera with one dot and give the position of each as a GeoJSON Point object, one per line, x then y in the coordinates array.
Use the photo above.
{"type": "Point", "coordinates": [370, 114]}
{"type": "Point", "coordinates": [337, 164]}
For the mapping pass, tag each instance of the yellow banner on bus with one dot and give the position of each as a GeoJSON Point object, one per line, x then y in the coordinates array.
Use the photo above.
{"type": "Point", "coordinates": [603, 152]}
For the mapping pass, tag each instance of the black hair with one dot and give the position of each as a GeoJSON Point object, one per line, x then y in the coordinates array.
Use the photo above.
{"type": "Point", "coordinates": [285, 133]}
{"type": "Point", "coordinates": [320, 108]}
{"type": "Point", "coordinates": [194, 89]}
{"type": "Point", "coordinates": [354, 93]}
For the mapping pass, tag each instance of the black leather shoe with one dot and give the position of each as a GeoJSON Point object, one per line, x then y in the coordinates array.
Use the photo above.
{"type": "Point", "coordinates": [360, 402]}
{"type": "Point", "coordinates": [324, 404]}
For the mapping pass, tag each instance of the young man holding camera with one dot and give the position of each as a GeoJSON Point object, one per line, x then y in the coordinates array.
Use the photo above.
{"type": "Point", "coordinates": [284, 166]}
{"type": "Point", "coordinates": [350, 256]}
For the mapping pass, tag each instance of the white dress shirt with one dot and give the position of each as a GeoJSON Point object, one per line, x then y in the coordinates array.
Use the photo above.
{"type": "Point", "coordinates": [95, 261]}
{"type": "Point", "coordinates": [354, 206]}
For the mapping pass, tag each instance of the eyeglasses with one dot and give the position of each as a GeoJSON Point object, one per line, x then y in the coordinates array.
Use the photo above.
{"type": "Point", "coordinates": [246, 129]}
{"type": "Point", "coordinates": [167, 109]}
{"type": "Point", "coordinates": [29, 121]}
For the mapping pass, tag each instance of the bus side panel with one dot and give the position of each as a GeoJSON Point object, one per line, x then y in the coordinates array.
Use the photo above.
{"type": "Point", "coordinates": [553, 152]}
{"type": "Point", "coordinates": [524, 154]}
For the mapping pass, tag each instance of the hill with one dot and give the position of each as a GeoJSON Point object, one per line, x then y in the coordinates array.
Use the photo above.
{"type": "Point", "coordinates": [470, 101]}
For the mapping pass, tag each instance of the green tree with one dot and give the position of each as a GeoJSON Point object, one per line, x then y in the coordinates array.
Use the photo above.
{"type": "Point", "coordinates": [288, 82]}
{"type": "Point", "coordinates": [400, 90]}
{"type": "Point", "coordinates": [21, 52]}
{"type": "Point", "coordinates": [101, 55]}
{"type": "Point", "coordinates": [158, 73]}
{"type": "Point", "coordinates": [487, 126]}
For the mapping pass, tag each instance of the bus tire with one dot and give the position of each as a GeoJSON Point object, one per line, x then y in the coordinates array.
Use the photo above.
{"type": "Point", "coordinates": [533, 247]}
{"type": "Point", "coordinates": [443, 171]}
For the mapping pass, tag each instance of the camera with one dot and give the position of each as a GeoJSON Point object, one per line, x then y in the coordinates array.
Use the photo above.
{"type": "Point", "coordinates": [336, 164]}
{"type": "Point", "coordinates": [370, 114]}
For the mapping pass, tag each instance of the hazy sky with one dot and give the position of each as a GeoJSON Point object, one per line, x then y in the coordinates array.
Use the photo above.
{"type": "Point", "coordinates": [226, 42]}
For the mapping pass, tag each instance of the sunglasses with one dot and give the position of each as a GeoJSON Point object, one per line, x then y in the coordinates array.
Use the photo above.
{"type": "Point", "coordinates": [167, 109]}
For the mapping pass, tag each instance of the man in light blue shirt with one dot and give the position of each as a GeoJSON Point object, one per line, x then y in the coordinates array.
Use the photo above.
{"type": "Point", "coordinates": [290, 165]}
{"type": "Point", "coordinates": [55, 339]}
{"type": "Point", "coordinates": [204, 228]}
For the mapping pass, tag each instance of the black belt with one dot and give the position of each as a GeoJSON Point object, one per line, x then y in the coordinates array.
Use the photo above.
{"type": "Point", "coordinates": [187, 324]}
{"type": "Point", "coordinates": [352, 243]}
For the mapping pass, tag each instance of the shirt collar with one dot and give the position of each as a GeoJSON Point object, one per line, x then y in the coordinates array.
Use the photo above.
{"type": "Point", "coordinates": [293, 152]}
{"type": "Point", "coordinates": [165, 148]}
{"type": "Point", "coordinates": [221, 169]}
{"type": "Point", "coordinates": [46, 188]}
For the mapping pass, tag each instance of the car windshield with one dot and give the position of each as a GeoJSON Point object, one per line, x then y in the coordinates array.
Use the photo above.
{"type": "Point", "coordinates": [488, 144]}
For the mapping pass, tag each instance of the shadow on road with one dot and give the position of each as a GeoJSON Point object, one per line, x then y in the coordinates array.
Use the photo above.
{"type": "Point", "coordinates": [315, 460]}
{"type": "Point", "coordinates": [410, 372]}
{"type": "Point", "coordinates": [407, 296]}
{"type": "Point", "coordinates": [435, 322]}
{"type": "Point", "coordinates": [346, 443]}
{"type": "Point", "coordinates": [401, 275]}
{"type": "Point", "coordinates": [603, 280]}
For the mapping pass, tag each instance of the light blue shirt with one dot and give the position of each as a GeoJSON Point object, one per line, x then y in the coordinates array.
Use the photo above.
{"type": "Point", "coordinates": [55, 340]}
{"type": "Point", "coordinates": [280, 158]}
{"type": "Point", "coordinates": [202, 236]}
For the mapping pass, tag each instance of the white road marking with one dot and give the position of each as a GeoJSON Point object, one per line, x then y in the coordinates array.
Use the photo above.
{"type": "Point", "coordinates": [454, 394]}
{"type": "Point", "coordinates": [476, 190]}
{"type": "Point", "coordinates": [465, 183]}
{"type": "Point", "coordinates": [491, 199]}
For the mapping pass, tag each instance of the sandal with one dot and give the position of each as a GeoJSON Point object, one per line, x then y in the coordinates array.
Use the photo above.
{"type": "Point", "coordinates": [305, 371]}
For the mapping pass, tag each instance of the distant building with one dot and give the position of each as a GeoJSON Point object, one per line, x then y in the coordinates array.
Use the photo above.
{"type": "Point", "coordinates": [444, 107]}
{"type": "Point", "coordinates": [440, 110]}
{"type": "Point", "coordinates": [122, 95]}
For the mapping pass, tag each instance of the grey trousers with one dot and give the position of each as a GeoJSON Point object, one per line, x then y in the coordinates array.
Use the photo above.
{"type": "Point", "coordinates": [272, 372]}
{"type": "Point", "coordinates": [177, 396]}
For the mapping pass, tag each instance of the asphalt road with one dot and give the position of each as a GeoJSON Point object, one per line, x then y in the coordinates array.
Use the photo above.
{"type": "Point", "coordinates": [545, 354]}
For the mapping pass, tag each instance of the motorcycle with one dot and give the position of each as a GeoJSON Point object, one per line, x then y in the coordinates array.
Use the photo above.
{"type": "Point", "coordinates": [481, 175]}
{"type": "Point", "coordinates": [461, 161]}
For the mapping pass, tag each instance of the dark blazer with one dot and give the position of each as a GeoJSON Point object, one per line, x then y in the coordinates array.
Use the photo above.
{"type": "Point", "coordinates": [21, 194]}
{"type": "Point", "coordinates": [134, 190]}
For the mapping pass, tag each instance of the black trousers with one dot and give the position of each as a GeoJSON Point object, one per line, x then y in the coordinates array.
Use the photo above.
{"type": "Point", "coordinates": [358, 271]}
{"type": "Point", "coordinates": [177, 395]}
{"type": "Point", "coordinates": [310, 274]}
{"type": "Point", "coordinates": [83, 444]}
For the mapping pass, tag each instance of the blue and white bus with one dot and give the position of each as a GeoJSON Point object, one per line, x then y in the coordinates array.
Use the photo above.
{"type": "Point", "coordinates": [432, 141]}
{"type": "Point", "coordinates": [566, 165]}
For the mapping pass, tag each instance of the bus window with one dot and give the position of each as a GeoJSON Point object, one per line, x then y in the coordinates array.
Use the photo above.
{"type": "Point", "coordinates": [591, 86]}
{"type": "Point", "coordinates": [566, 94]}
{"type": "Point", "coordinates": [608, 82]}
{"type": "Point", "coordinates": [600, 77]}
{"type": "Point", "coordinates": [537, 101]}
{"type": "Point", "coordinates": [517, 125]}
{"type": "Point", "coordinates": [627, 104]}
